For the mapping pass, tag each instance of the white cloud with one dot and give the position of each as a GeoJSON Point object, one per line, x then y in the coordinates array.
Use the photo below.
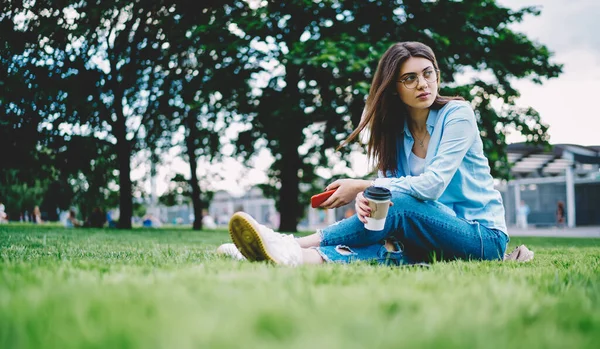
{"type": "Point", "coordinates": [566, 102]}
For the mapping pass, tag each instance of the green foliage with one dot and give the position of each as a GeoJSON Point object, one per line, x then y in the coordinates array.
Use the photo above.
{"type": "Point", "coordinates": [130, 73]}
{"type": "Point", "coordinates": [167, 288]}
{"type": "Point", "coordinates": [326, 52]}
{"type": "Point", "coordinates": [19, 196]}
{"type": "Point", "coordinates": [134, 73]}
{"type": "Point", "coordinates": [87, 165]}
{"type": "Point", "coordinates": [139, 209]}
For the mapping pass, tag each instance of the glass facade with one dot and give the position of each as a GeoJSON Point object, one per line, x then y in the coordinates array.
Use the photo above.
{"type": "Point", "coordinates": [587, 200]}
{"type": "Point", "coordinates": [543, 198]}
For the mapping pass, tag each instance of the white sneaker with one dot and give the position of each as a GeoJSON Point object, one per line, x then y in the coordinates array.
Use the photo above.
{"type": "Point", "coordinates": [230, 250]}
{"type": "Point", "coordinates": [258, 243]}
{"type": "Point", "coordinates": [520, 254]}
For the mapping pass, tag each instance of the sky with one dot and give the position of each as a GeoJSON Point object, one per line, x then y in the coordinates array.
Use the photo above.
{"type": "Point", "coordinates": [568, 28]}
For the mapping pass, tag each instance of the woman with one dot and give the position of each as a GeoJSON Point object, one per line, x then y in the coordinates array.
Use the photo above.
{"type": "Point", "coordinates": [72, 221]}
{"type": "Point", "coordinates": [429, 154]}
{"type": "Point", "coordinates": [37, 215]}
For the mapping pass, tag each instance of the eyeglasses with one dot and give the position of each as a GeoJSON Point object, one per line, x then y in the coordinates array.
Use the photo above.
{"type": "Point", "coordinates": [412, 80]}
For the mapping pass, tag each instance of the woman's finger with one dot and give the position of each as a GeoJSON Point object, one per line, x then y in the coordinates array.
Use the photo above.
{"type": "Point", "coordinates": [364, 204]}
{"type": "Point", "coordinates": [362, 219]}
{"type": "Point", "coordinates": [329, 202]}
{"type": "Point", "coordinates": [335, 184]}
{"type": "Point", "coordinates": [364, 211]}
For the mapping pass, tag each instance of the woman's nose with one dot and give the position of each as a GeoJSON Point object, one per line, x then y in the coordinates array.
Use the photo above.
{"type": "Point", "coordinates": [422, 82]}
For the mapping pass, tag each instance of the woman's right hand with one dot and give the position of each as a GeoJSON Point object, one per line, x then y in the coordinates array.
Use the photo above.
{"type": "Point", "coordinates": [345, 191]}
{"type": "Point", "coordinates": [361, 206]}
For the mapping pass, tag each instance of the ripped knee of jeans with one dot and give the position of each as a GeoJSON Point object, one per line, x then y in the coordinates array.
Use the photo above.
{"type": "Point", "coordinates": [344, 250]}
{"type": "Point", "coordinates": [392, 245]}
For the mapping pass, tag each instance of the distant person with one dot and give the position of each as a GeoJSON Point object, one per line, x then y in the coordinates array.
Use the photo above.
{"type": "Point", "coordinates": [109, 219]}
{"type": "Point", "coordinates": [97, 218]}
{"type": "Point", "coordinates": [560, 214]}
{"type": "Point", "coordinates": [207, 221]}
{"type": "Point", "coordinates": [3, 215]}
{"type": "Point", "coordinates": [522, 214]}
{"type": "Point", "coordinates": [37, 216]}
{"type": "Point", "coordinates": [71, 221]}
{"type": "Point", "coordinates": [150, 221]}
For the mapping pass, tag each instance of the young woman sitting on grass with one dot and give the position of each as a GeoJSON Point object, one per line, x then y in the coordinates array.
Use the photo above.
{"type": "Point", "coordinates": [429, 154]}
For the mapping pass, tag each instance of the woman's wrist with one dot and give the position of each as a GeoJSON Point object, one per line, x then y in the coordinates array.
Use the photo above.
{"type": "Point", "coordinates": [364, 184]}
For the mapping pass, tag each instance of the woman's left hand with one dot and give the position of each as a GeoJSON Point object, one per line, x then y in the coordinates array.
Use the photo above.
{"type": "Point", "coordinates": [346, 190]}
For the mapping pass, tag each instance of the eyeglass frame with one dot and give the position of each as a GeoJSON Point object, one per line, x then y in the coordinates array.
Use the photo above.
{"type": "Point", "coordinates": [437, 72]}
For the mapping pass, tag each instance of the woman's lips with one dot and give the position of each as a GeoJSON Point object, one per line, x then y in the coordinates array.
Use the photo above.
{"type": "Point", "coordinates": [423, 95]}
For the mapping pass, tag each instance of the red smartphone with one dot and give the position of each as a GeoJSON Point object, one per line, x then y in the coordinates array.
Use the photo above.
{"type": "Point", "coordinates": [318, 199]}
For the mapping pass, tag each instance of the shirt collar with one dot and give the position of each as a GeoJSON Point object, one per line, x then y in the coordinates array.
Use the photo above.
{"type": "Point", "coordinates": [431, 120]}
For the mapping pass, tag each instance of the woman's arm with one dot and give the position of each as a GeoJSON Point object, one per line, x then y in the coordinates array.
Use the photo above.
{"type": "Point", "coordinates": [459, 133]}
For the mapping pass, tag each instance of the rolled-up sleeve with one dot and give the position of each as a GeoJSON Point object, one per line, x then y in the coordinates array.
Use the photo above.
{"type": "Point", "coordinates": [458, 134]}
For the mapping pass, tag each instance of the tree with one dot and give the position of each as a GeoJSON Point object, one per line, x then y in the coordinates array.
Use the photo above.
{"type": "Point", "coordinates": [85, 170]}
{"type": "Point", "coordinates": [324, 54]}
{"type": "Point", "coordinates": [204, 52]}
{"type": "Point", "coordinates": [132, 72]}
{"type": "Point", "coordinates": [98, 55]}
{"type": "Point", "coordinates": [27, 96]}
{"type": "Point", "coordinates": [106, 61]}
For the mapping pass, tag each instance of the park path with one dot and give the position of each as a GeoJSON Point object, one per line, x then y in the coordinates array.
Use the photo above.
{"type": "Point", "coordinates": [579, 232]}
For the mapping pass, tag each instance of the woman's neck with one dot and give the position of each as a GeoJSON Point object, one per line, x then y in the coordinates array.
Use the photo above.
{"type": "Point", "coordinates": [417, 120]}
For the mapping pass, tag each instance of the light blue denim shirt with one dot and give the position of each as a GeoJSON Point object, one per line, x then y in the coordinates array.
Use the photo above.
{"type": "Point", "coordinates": [456, 173]}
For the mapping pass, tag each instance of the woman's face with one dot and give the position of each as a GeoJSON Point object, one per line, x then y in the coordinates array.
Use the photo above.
{"type": "Point", "coordinates": [417, 83]}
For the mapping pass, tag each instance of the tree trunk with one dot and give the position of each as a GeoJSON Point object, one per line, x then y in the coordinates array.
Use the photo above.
{"type": "Point", "coordinates": [190, 149]}
{"type": "Point", "coordinates": [288, 196]}
{"type": "Point", "coordinates": [125, 186]}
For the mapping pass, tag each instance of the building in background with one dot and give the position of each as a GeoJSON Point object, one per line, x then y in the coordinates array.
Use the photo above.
{"type": "Point", "coordinates": [253, 202]}
{"type": "Point", "coordinates": [568, 173]}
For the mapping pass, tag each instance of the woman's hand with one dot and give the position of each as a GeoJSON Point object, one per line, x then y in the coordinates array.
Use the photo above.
{"type": "Point", "coordinates": [346, 190]}
{"type": "Point", "coordinates": [361, 206]}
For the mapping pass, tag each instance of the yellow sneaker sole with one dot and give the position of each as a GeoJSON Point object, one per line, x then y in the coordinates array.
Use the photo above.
{"type": "Point", "coordinates": [247, 239]}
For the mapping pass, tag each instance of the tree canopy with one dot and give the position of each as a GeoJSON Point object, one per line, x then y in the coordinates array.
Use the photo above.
{"type": "Point", "coordinates": [323, 55]}
{"type": "Point", "coordinates": [128, 75]}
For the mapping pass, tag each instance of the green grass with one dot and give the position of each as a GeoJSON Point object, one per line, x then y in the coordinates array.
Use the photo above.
{"type": "Point", "coordinates": [167, 289]}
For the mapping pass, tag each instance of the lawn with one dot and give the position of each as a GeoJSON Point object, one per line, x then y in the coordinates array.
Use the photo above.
{"type": "Point", "coordinates": [166, 288]}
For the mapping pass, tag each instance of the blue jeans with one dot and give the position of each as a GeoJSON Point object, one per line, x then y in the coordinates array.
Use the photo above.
{"type": "Point", "coordinates": [421, 231]}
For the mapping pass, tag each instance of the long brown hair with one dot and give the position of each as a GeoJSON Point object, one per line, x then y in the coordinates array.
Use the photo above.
{"type": "Point", "coordinates": [384, 112]}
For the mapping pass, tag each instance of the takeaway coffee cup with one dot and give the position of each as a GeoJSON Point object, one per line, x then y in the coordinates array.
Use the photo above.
{"type": "Point", "coordinates": [379, 202]}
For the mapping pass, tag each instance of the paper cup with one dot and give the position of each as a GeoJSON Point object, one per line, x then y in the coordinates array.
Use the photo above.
{"type": "Point", "coordinates": [379, 202]}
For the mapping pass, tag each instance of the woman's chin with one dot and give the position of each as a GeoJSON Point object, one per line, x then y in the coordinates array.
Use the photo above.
{"type": "Point", "coordinates": [422, 104]}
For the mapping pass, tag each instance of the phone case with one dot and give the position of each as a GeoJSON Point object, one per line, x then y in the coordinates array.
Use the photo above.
{"type": "Point", "coordinates": [318, 199]}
